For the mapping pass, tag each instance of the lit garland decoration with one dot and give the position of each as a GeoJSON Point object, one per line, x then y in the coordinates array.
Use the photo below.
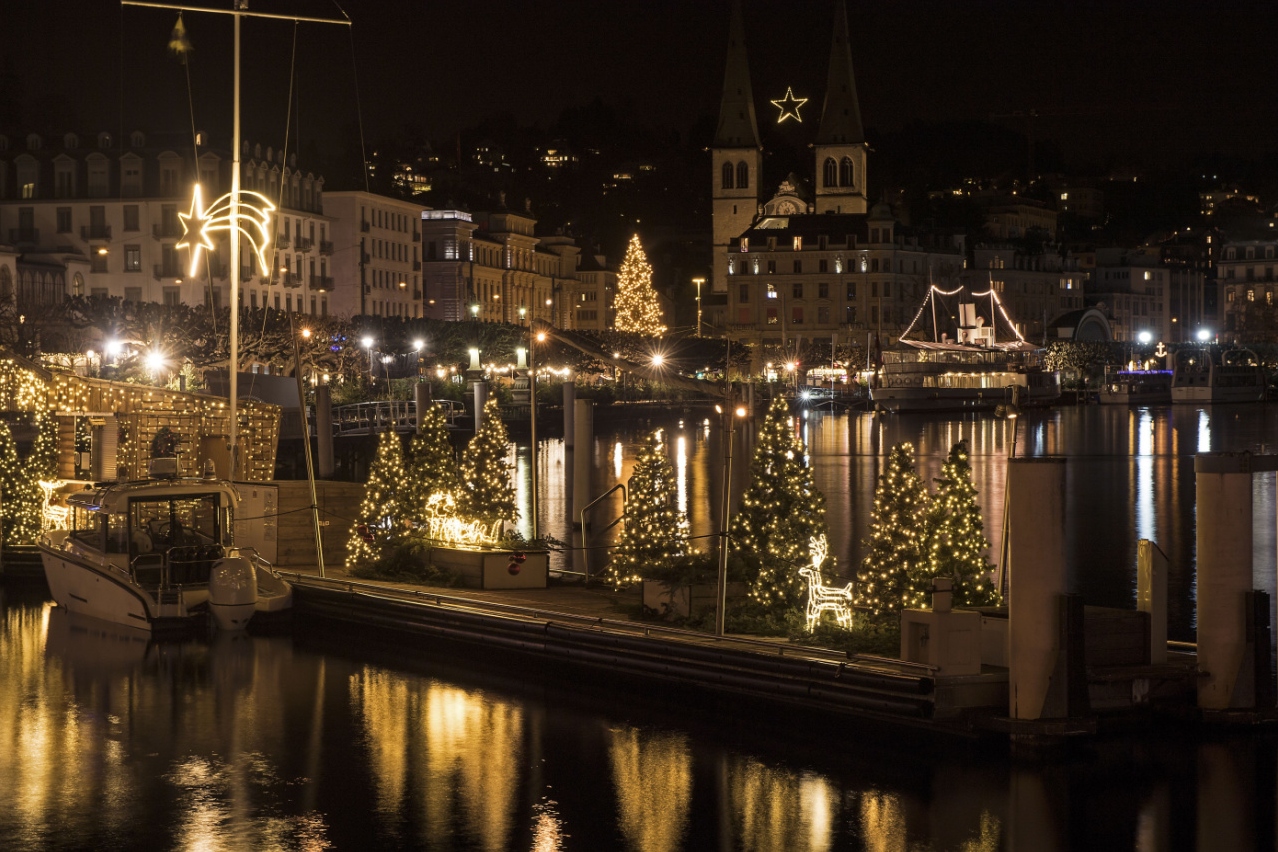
{"type": "Point", "coordinates": [934, 291]}
{"type": "Point", "coordinates": [252, 220]}
{"type": "Point", "coordinates": [958, 545]}
{"type": "Point", "coordinates": [443, 525]}
{"type": "Point", "coordinates": [484, 492]}
{"type": "Point", "coordinates": [780, 512]}
{"type": "Point", "coordinates": [637, 308]}
{"type": "Point", "coordinates": [656, 532]}
{"type": "Point", "coordinates": [20, 503]}
{"type": "Point", "coordinates": [789, 106]}
{"type": "Point", "coordinates": [432, 465]}
{"type": "Point", "coordinates": [823, 598]}
{"type": "Point", "coordinates": [897, 550]}
{"type": "Point", "coordinates": [376, 525]}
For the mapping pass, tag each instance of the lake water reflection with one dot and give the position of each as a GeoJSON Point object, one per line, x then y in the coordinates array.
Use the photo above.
{"type": "Point", "coordinates": [1130, 476]}
{"type": "Point", "coordinates": [252, 742]}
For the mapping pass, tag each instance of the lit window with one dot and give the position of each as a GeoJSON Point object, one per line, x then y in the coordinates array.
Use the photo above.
{"type": "Point", "coordinates": [745, 244]}
{"type": "Point", "coordinates": [772, 292]}
{"type": "Point", "coordinates": [798, 243]}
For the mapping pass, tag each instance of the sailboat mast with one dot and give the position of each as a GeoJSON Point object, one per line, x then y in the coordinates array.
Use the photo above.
{"type": "Point", "coordinates": [234, 367]}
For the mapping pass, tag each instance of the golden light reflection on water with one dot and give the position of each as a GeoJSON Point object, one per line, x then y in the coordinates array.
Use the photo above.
{"type": "Point", "coordinates": [453, 756]}
{"type": "Point", "coordinates": [765, 813]}
{"type": "Point", "coordinates": [653, 775]}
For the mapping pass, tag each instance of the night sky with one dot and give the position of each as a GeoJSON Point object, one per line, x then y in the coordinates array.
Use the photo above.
{"type": "Point", "coordinates": [1115, 83]}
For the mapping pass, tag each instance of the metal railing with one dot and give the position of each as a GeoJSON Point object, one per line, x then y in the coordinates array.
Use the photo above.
{"type": "Point", "coordinates": [366, 418]}
{"type": "Point", "coordinates": [585, 549]}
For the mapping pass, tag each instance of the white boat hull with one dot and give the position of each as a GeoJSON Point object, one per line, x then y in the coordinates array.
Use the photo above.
{"type": "Point", "coordinates": [956, 399]}
{"type": "Point", "coordinates": [1207, 394]}
{"type": "Point", "coordinates": [108, 594]}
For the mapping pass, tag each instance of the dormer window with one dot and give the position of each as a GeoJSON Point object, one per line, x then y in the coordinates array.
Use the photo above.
{"type": "Point", "coordinates": [798, 243]}
{"type": "Point", "coordinates": [745, 245]}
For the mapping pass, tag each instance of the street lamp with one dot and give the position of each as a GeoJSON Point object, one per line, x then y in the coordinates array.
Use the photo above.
{"type": "Point", "coordinates": [367, 343]}
{"type": "Point", "coordinates": [540, 337]}
{"type": "Point", "coordinates": [724, 517]}
{"type": "Point", "coordinates": [698, 282]}
{"type": "Point", "coordinates": [1203, 335]}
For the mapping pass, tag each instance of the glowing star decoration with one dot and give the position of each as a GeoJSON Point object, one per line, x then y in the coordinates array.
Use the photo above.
{"type": "Point", "coordinates": [789, 106]}
{"type": "Point", "coordinates": [823, 598]}
{"type": "Point", "coordinates": [252, 221]}
{"type": "Point", "coordinates": [443, 525]}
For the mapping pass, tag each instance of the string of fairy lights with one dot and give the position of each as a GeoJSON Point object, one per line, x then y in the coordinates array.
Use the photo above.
{"type": "Point", "coordinates": [656, 530]}
{"type": "Point", "coordinates": [636, 304]}
{"type": "Point", "coordinates": [934, 291]}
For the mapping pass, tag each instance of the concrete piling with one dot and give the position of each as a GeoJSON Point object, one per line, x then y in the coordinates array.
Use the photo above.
{"type": "Point", "coordinates": [582, 457]}
{"type": "Point", "coordinates": [1151, 596]}
{"type": "Point", "coordinates": [570, 414]}
{"type": "Point", "coordinates": [324, 432]}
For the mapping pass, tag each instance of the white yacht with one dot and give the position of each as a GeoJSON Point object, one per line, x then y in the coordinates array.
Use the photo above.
{"type": "Point", "coordinates": [973, 370]}
{"type": "Point", "coordinates": [157, 554]}
{"type": "Point", "coordinates": [1233, 376]}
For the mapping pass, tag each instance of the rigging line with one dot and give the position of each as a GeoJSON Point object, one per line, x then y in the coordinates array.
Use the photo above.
{"type": "Point", "coordinates": [195, 163]}
{"type": "Point", "coordinates": [359, 109]}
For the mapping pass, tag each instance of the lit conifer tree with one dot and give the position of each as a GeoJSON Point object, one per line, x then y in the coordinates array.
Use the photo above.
{"type": "Point", "coordinates": [484, 492]}
{"type": "Point", "coordinates": [43, 463]}
{"type": "Point", "coordinates": [958, 544]}
{"type": "Point", "coordinates": [897, 551]}
{"type": "Point", "coordinates": [780, 512]}
{"type": "Point", "coordinates": [379, 521]}
{"type": "Point", "coordinates": [432, 465]}
{"type": "Point", "coordinates": [636, 302]}
{"type": "Point", "coordinates": [20, 503]}
{"type": "Point", "coordinates": [656, 532]}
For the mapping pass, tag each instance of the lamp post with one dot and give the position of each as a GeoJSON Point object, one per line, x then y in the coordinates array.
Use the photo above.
{"type": "Point", "coordinates": [724, 517]}
{"type": "Point", "coordinates": [698, 282]}
{"type": "Point", "coordinates": [539, 337]}
{"type": "Point", "coordinates": [367, 343]}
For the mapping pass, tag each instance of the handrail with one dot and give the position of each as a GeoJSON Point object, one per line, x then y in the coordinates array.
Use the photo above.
{"type": "Point", "coordinates": [780, 649]}
{"type": "Point", "coordinates": [585, 550]}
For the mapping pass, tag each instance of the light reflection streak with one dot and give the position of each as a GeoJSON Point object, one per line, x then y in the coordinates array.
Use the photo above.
{"type": "Point", "coordinates": [1144, 502]}
{"type": "Point", "coordinates": [616, 460]}
{"type": "Point", "coordinates": [763, 808]}
{"type": "Point", "coordinates": [1204, 431]}
{"type": "Point", "coordinates": [653, 775]}
{"type": "Point", "coordinates": [681, 473]}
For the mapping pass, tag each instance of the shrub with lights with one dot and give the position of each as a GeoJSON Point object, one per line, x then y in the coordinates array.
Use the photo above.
{"type": "Point", "coordinates": [636, 302]}
{"type": "Point", "coordinates": [958, 543]}
{"type": "Point", "coordinates": [378, 525]}
{"type": "Point", "coordinates": [20, 503]}
{"type": "Point", "coordinates": [899, 548]}
{"type": "Point", "coordinates": [781, 512]}
{"type": "Point", "coordinates": [656, 531]}
{"type": "Point", "coordinates": [432, 465]}
{"type": "Point", "coordinates": [484, 492]}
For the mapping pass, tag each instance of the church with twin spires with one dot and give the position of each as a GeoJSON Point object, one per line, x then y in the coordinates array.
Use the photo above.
{"type": "Point", "coordinates": [814, 262]}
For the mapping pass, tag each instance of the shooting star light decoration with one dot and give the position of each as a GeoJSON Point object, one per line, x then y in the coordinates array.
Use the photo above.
{"type": "Point", "coordinates": [252, 220]}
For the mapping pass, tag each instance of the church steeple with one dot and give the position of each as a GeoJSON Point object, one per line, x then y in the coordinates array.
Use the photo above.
{"type": "Point", "coordinates": [736, 158]}
{"type": "Point", "coordinates": [737, 125]}
{"type": "Point", "coordinates": [841, 113]}
{"type": "Point", "coordinates": [840, 140]}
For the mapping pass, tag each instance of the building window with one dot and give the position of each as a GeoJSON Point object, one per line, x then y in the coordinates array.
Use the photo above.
{"type": "Point", "coordinates": [743, 175]}
{"type": "Point", "coordinates": [830, 172]}
{"type": "Point", "coordinates": [173, 296]}
{"type": "Point", "coordinates": [772, 267]}
{"type": "Point", "coordinates": [772, 292]}
{"type": "Point", "coordinates": [745, 244]}
{"type": "Point", "coordinates": [1251, 295]}
{"type": "Point", "coordinates": [823, 314]}
{"type": "Point", "coordinates": [851, 291]}
{"type": "Point", "coordinates": [797, 291]}
{"type": "Point", "coordinates": [133, 294]}
{"type": "Point", "coordinates": [887, 289]}
{"type": "Point", "coordinates": [743, 293]}
{"type": "Point", "coordinates": [823, 265]}
{"type": "Point", "coordinates": [845, 172]}
{"type": "Point", "coordinates": [874, 265]}
{"type": "Point", "coordinates": [798, 267]}
{"type": "Point", "coordinates": [132, 258]}
{"type": "Point", "coordinates": [823, 291]}
{"type": "Point", "coordinates": [725, 179]}
{"type": "Point", "coordinates": [798, 243]}
{"type": "Point", "coordinates": [64, 220]}
{"type": "Point", "coordinates": [796, 315]}
{"type": "Point", "coordinates": [772, 316]}
{"type": "Point", "coordinates": [130, 217]}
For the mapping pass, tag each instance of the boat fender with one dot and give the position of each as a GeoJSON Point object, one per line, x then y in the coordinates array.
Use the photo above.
{"type": "Point", "coordinates": [233, 592]}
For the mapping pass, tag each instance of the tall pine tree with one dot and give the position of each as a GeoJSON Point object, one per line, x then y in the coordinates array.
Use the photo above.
{"type": "Point", "coordinates": [379, 522]}
{"type": "Point", "coordinates": [958, 543]}
{"type": "Point", "coordinates": [897, 551]}
{"type": "Point", "coordinates": [432, 465]}
{"type": "Point", "coordinates": [780, 512]}
{"type": "Point", "coordinates": [637, 308]}
{"type": "Point", "coordinates": [655, 532]}
{"type": "Point", "coordinates": [20, 501]}
{"type": "Point", "coordinates": [484, 493]}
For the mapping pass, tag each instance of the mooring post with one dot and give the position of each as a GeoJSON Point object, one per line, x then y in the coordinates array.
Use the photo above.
{"type": "Point", "coordinates": [1151, 596]}
{"type": "Point", "coordinates": [481, 399]}
{"type": "Point", "coordinates": [1036, 557]}
{"type": "Point", "coordinates": [582, 457]}
{"type": "Point", "coordinates": [324, 431]}
{"type": "Point", "coordinates": [1224, 578]}
{"type": "Point", "coordinates": [570, 415]}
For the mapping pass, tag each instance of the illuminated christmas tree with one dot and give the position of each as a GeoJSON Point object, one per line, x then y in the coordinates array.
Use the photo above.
{"type": "Point", "coordinates": [378, 523]}
{"type": "Point", "coordinates": [484, 493]}
{"type": "Point", "coordinates": [958, 544]}
{"type": "Point", "coordinates": [780, 513]}
{"type": "Point", "coordinates": [898, 548]}
{"type": "Point", "coordinates": [19, 494]}
{"type": "Point", "coordinates": [43, 462]}
{"type": "Point", "coordinates": [637, 308]}
{"type": "Point", "coordinates": [656, 531]}
{"type": "Point", "coordinates": [432, 465]}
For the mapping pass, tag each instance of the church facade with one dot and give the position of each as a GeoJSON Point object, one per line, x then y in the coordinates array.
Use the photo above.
{"type": "Point", "coordinates": [819, 265]}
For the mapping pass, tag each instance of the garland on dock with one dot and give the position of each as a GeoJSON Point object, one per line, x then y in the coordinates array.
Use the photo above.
{"type": "Point", "coordinates": [378, 524]}
{"type": "Point", "coordinates": [656, 531]}
{"type": "Point", "coordinates": [484, 493]}
{"type": "Point", "coordinates": [781, 512]}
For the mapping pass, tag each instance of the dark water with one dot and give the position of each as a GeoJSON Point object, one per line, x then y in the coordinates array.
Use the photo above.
{"type": "Point", "coordinates": [109, 741]}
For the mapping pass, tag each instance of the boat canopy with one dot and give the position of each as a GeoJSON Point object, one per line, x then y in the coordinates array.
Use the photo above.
{"type": "Point", "coordinates": [115, 497]}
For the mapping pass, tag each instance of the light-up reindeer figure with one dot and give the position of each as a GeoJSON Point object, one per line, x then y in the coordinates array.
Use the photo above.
{"type": "Point", "coordinates": [822, 598]}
